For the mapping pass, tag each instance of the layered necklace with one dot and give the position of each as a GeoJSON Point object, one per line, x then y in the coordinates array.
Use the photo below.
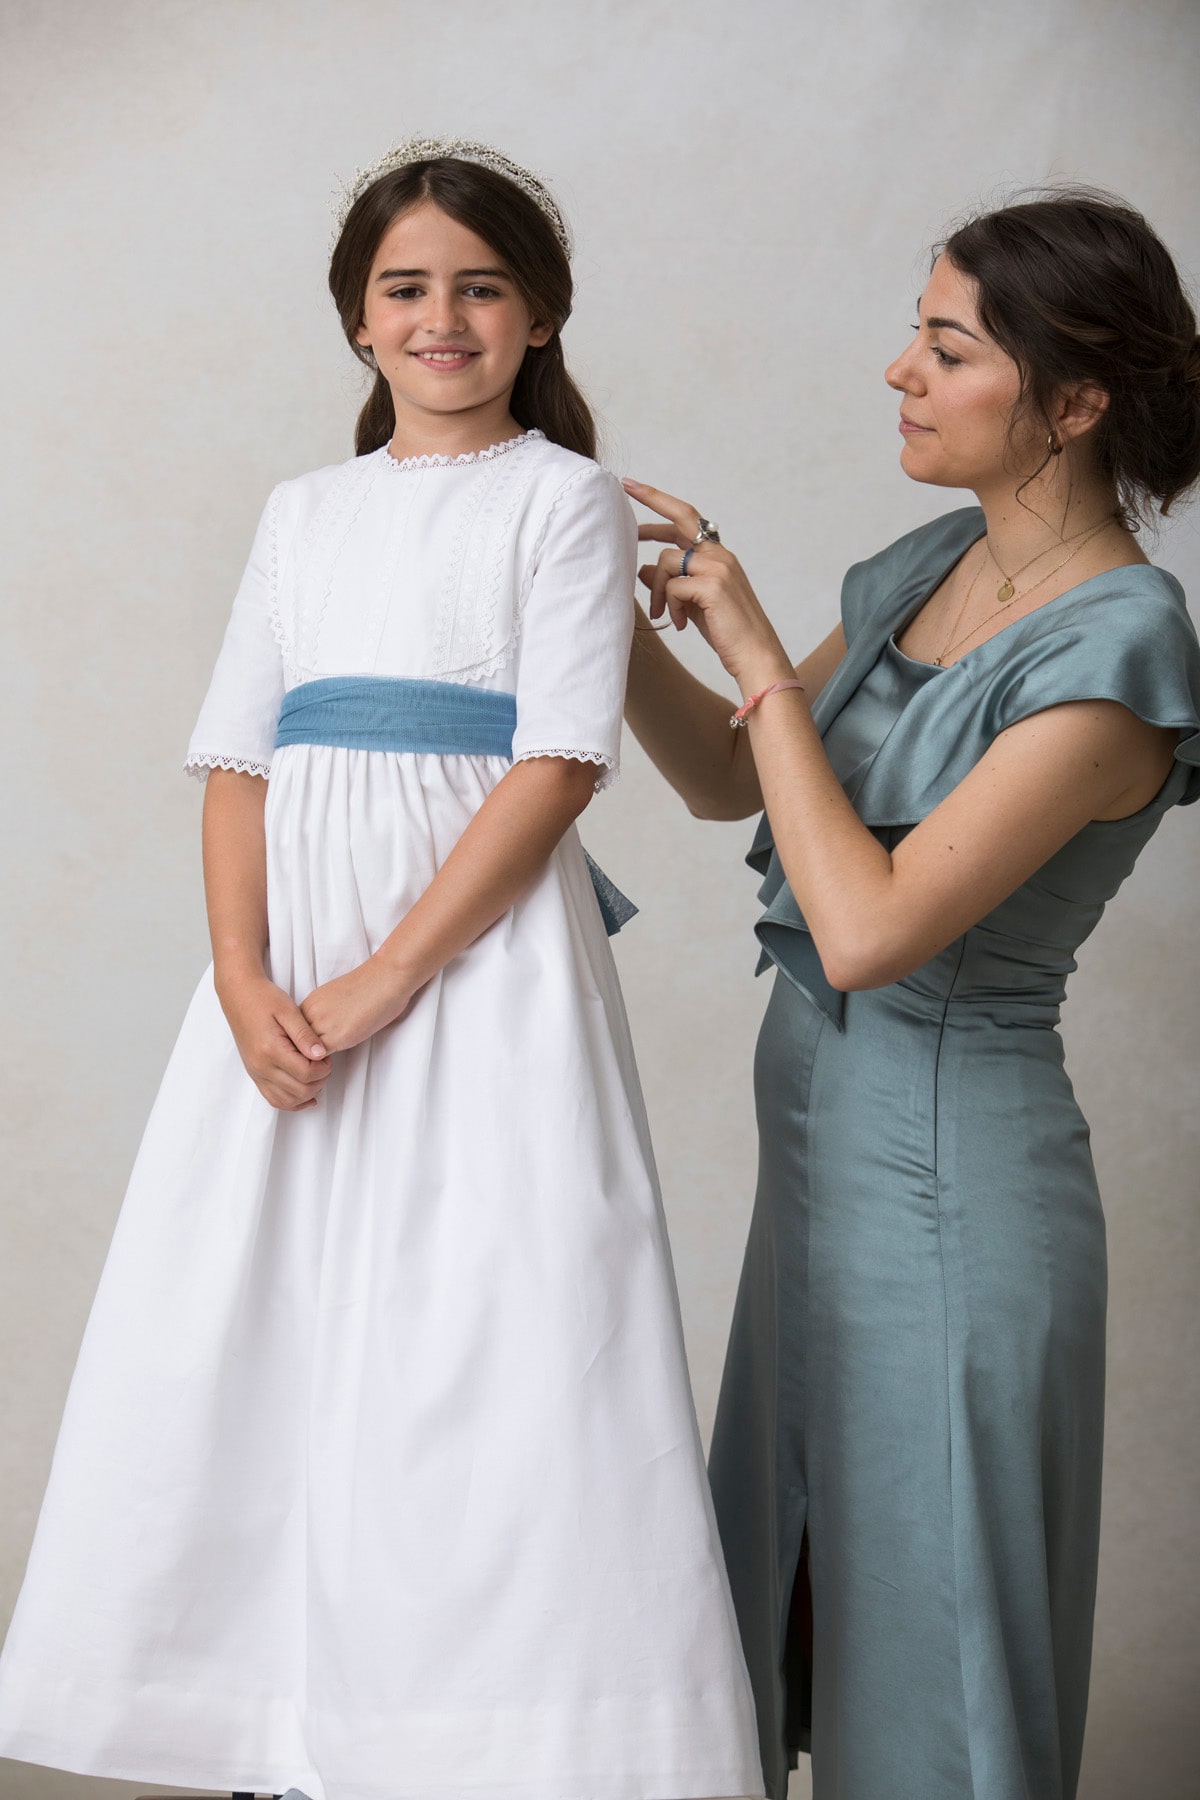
{"type": "Point", "coordinates": [1006, 593]}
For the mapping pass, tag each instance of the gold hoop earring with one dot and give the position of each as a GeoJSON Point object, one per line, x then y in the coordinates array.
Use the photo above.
{"type": "Point", "coordinates": [1053, 447]}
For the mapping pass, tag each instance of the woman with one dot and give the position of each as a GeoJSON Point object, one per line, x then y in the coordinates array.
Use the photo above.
{"type": "Point", "coordinates": [907, 1454]}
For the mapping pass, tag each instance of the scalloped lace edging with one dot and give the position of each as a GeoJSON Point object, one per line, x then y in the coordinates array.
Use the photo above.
{"type": "Point", "coordinates": [600, 757]}
{"type": "Point", "coordinates": [458, 462]}
{"type": "Point", "coordinates": [200, 765]}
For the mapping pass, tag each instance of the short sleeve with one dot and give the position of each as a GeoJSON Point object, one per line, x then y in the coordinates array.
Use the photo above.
{"type": "Point", "coordinates": [1134, 644]}
{"type": "Point", "coordinates": [237, 723]}
{"type": "Point", "coordinates": [577, 626]}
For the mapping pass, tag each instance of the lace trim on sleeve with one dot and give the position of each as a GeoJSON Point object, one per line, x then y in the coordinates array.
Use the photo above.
{"type": "Point", "coordinates": [201, 762]}
{"type": "Point", "coordinates": [600, 757]}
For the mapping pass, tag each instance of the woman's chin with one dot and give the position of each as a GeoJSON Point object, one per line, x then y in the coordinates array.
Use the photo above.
{"type": "Point", "coordinates": [920, 462]}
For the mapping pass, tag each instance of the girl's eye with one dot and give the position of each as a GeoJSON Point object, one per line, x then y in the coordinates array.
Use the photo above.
{"type": "Point", "coordinates": [479, 291]}
{"type": "Point", "coordinates": [403, 293]}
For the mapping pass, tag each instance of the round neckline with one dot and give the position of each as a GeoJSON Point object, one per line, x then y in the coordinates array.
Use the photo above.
{"type": "Point", "coordinates": [465, 460]}
{"type": "Point", "coordinates": [918, 662]}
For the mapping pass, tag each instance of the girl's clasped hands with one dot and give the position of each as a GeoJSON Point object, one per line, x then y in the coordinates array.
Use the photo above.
{"type": "Point", "coordinates": [288, 1049]}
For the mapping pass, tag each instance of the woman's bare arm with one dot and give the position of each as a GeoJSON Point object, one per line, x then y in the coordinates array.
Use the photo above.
{"type": "Point", "coordinates": [876, 915]}
{"type": "Point", "coordinates": [683, 726]}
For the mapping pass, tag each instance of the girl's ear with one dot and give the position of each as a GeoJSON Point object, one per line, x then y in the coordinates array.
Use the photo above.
{"type": "Point", "coordinates": [539, 336]}
{"type": "Point", "coordinates": [362, 336]}
{"type": "Point", "coordinates": [1079, 410]}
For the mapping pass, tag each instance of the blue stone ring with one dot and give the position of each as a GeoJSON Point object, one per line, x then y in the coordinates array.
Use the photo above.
{"type": "Point", "coordinates": [687, 557]}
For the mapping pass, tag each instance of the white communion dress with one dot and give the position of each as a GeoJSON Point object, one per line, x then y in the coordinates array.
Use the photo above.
{"type": "Point", "coordinates": [379, 1473]}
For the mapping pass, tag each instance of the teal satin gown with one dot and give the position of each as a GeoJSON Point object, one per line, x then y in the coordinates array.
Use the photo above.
{"type": "Point", "coordinates": [915, 1372]}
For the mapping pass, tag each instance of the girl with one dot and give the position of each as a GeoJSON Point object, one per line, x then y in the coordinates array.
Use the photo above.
{"type": "Point", "coordinates": [379, 1474]}
{"type": "Point", "coordinates": [907, 1453]}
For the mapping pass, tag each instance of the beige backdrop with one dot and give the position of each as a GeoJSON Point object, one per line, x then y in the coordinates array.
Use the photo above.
{"type": "Point", "coordinates": [753, 187]}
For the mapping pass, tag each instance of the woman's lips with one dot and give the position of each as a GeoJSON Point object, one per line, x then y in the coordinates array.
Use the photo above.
{"type": "Point", "coordinates": [911, 430]}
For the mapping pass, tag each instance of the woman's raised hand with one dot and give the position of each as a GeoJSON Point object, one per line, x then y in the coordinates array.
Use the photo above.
{"type": "Point", "coordinates": [714, 594]}
{"type": "Point", "coordinates": [284, 1056]}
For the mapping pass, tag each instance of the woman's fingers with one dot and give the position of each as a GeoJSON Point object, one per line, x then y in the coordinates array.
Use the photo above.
{"type": "Point", "coordinates": [654, 533]}
{"type": "Point", "coordinates": [665, 569]}
{"type": "Point", "coordinates": [685, 518]}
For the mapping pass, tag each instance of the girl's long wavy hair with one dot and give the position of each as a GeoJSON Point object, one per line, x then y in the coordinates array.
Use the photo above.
{"type": "Point", "coordinates": [513, 226]}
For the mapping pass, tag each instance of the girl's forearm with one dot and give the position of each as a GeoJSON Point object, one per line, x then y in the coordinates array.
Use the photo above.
{"type": "Point", "coordinates": [500, 854]}
{"type": "Point", "coordinates": [235, 872]}
{"type": "Point", "coordinates": [683, 727]}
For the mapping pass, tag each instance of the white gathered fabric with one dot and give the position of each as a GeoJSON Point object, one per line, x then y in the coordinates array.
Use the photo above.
{"type": "Point", "coordinates": [379, 1474]}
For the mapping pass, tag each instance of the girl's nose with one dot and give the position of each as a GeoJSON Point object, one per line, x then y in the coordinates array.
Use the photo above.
{"type": "Point", "coordinates": [444, 313]}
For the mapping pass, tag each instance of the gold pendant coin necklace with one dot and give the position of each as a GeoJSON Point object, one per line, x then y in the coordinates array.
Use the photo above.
{"type": "Point", "coordinates": [1006, 592]}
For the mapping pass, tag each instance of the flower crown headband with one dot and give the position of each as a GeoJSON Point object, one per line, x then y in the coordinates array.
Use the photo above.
{"type": "Point", "coordinates": [428, 149]}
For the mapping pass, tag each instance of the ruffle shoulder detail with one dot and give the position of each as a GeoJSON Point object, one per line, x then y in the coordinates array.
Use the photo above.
{"type": "Point", "coordinates": [1125, 636]}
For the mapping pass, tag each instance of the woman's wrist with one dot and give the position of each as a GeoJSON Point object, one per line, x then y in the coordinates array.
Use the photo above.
{"type": "Point", "coordinates": [762, 665]}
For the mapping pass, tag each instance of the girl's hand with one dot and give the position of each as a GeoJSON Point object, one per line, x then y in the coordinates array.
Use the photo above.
{"type": "Point", "coordinates": [347, 1011]}
{"type": "Point", "coordinates": [714, 594]}
{"type": "Point", "coordinates": [284, 1056]}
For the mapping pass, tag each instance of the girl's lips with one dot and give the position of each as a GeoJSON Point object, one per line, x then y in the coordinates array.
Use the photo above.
{"type": "Point", "coordinates": [441, 359]}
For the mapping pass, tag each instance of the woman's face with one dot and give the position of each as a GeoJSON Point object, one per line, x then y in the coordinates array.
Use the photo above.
{"type": "Point", "coordinates": [444, 317]}
{"type": "Point", "coordinates": [959, 391]}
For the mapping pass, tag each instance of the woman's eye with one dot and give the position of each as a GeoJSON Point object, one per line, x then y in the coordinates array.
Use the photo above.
{"type": "Point", "coordinates": [944, 357]}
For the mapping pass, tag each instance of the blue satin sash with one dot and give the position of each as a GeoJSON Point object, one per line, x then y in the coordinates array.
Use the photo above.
{"type": "Point", "coordinates": [437, 718]}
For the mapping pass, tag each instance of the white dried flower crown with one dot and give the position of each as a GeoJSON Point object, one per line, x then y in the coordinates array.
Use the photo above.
{"type": "Point", "coordinates": [427, 149]}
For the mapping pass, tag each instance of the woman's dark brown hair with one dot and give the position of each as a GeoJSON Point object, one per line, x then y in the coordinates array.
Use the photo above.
{"type": "Point", "coordinates": [512, 225]}
{"type": "Point", "coordinates": [1077, 287]}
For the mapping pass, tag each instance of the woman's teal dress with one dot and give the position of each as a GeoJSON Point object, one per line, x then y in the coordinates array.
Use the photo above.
{"type": "Point", "coordinates": [915, 1374]}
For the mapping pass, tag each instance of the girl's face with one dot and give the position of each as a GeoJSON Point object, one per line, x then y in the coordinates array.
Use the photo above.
{"type": "Point", "coordinates": [444, 318]}
{"type": "Point", "coordinates": [959, 391]}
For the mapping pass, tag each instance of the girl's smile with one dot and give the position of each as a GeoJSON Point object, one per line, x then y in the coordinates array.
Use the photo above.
{"type": "Point", "coordinates": [448, 328]}
{"type": "Point", "coordinates": [447, 356]}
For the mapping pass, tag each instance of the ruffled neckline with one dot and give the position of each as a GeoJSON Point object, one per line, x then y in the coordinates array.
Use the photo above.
{"type": "Point", "coordinates": [468, 457]}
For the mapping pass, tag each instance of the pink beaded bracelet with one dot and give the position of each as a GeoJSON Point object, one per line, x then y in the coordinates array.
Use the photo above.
{"type": "Point", "coordinates": [739, 717]}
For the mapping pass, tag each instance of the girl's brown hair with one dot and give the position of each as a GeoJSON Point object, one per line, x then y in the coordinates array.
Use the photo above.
{"type": "Point", "coordinates": [1076, 287]}
{"type": "Point", "coordinates": [515, 227]}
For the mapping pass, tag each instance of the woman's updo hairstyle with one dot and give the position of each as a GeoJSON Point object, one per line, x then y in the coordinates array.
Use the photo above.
{"type": "Point", "coordinates": [1076, 287]}
{"type": "Point", "coordinates": [520, 233]}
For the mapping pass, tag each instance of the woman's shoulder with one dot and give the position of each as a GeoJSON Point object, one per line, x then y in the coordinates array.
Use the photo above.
{"type": "Point", "coordinates": [943, 538]}
{"type": "Point", "coordinates": [1123, 635]}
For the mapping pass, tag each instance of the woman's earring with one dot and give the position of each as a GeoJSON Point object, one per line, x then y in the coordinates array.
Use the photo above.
{"type": "Point", "coordinates": [1053, 446]}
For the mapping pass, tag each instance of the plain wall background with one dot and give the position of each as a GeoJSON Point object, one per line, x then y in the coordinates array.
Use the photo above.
{"type": "Point", "coordinates": [753, 187]}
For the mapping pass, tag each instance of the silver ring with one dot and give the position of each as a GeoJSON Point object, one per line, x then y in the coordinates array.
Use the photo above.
{"type": "Point", "coordinates": [708, 533]}
{"type": "Point", "coordinates": [687, 557]}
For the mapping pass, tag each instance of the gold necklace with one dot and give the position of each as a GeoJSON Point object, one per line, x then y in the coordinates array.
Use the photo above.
{"type": "Point", "coordinates": [1008, 587]}
{"type": "Point", "coordinates": [952, 642]}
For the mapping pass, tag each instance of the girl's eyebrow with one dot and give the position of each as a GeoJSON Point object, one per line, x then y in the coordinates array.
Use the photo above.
{"type": "Point", "coordinates": [423, 274]}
